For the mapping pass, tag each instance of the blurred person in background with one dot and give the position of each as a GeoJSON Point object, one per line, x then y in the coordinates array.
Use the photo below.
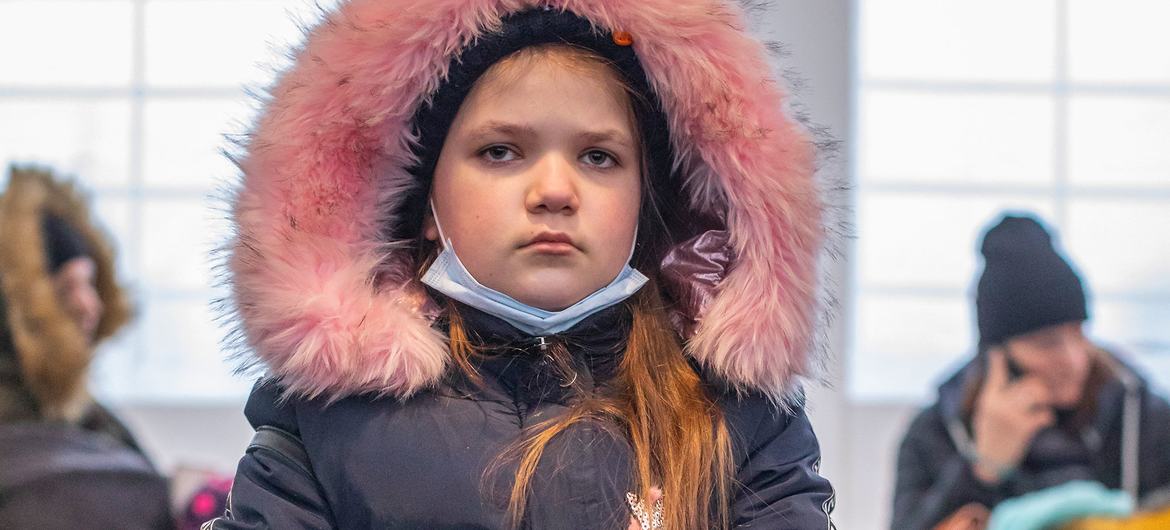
{"type": "Point", "coordinates": [65, 460]}
{"type": "Point", "coordinates": [1039, 407]}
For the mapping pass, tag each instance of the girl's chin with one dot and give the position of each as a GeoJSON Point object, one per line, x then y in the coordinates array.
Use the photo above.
{"type": "Point", "coordinates": [550, 303]}
{"type": "Point", "coordinates": [550, 295]}
{"type": "Point", "coordinates": [548, 288]}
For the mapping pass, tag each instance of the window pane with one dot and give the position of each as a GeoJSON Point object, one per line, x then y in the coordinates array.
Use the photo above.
{"type": "Point", "coordinates": [183, 141]}
{"type": "Point", "coordinates": [999, 40]}
{"type": "Point", "coordinates": [248, 36]}
{"type": "Point", "coordinates": [1121, 245]}
{"type": "Point", "coordinates": [116, 366]}
{"type": "Point", "coordinates": [1140, 331]}
{"type": "Point", "coordinates": [1119, 41]}
{"type": "Point", "coordinates": [82, 43]}
{"type": "Point", "coordinates": [949, 138]}
{"type": "Point", "coordinates": [1139, 326]}
{"type": "Point", "coordinates": [114, 215]}
{"type": "Point", "coordinates": [182, 353]}
{"type": "Point", "coordinates": [905, 344]}
{"type": "Point", "coordinates": [178, 237]}
{"type": "Point", "coordinates": [928, 239]}
{"type": "Point", "coordinates": [87, 138]}
{"type": "Point", "coordinates": [1117, 141]}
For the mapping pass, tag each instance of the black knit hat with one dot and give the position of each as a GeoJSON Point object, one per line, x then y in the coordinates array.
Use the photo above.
{"type": "Point", "coordinates": [62, 242]}
{"type": "Point", "coordinates": [1026, 284]}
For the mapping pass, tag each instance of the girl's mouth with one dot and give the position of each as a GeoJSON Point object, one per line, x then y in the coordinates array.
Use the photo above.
{"type": "Point", "coordinates": [551, 243]}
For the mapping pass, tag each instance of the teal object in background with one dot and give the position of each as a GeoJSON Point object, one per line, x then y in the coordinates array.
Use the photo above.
{"type": "Point", "coordinates": [1060, 504]}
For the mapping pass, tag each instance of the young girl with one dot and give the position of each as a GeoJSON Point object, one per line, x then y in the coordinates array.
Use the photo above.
{"type": "Point", "coordinates": [528, 265]}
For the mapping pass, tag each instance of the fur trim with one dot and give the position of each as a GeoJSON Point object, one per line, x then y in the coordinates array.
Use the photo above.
{"type": "Point", "coordinates": [326, 162]}
{"type": "Point", "coordinates": [54, 354]}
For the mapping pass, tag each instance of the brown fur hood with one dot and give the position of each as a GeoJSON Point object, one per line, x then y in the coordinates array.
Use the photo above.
{"type": "Point", "coordinates": [53, 355]}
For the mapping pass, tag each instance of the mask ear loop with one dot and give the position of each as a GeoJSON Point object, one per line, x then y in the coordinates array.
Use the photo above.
{"type": "Point", "coordinates": [633, 244]}
{"type": "Point", "coordinates": [443, 241]}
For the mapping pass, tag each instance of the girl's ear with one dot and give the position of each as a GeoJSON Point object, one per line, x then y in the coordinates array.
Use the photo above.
{"type": "Point", "coordinates": [430, 230]}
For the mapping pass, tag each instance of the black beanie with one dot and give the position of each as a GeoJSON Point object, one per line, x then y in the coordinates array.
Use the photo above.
{"type": "Point", "coordinates": [1026, 284]}
{"type": "Point", "coordinates": [62, 242]}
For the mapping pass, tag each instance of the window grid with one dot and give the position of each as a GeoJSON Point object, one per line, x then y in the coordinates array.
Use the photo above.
{"type": "Point", "coordinates": [134, 352]}
{"type": "Point", "coordinates": [1061, 191]}
{"type": "Point", "coordinates": [1152, 90]}
{"type": "Point", "coordinates": [137, 135]}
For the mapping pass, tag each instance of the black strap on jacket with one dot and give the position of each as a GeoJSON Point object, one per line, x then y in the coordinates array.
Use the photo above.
{"type": "Point", "coordinates": [285, 444]}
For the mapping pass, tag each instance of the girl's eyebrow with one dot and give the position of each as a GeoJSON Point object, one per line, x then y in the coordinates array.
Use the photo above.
{"type": "Point", "coordinates": [608, 135]}
{"type": "Point", "coordinates": [498, 128]}
{"type": "Point", "coordinates": [514, 130]}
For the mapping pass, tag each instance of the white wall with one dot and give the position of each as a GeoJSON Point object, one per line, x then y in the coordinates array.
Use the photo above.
{"type": "Point", "coordinates": [210, 437]}
{"type": "Point", "coordinates": [859, 440]}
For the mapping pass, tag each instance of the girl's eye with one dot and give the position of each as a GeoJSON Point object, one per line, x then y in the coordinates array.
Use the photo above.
{"type": "Point", "coordinates": [498, 153]}
{"type": "Point", "coordinates": [600, 159]}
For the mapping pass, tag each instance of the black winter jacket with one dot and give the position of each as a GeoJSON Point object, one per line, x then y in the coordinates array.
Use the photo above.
{"type": "Point", "coordinates": [934, 478]}
{"type": "Point", "coordinates": [55, 475]}
{"type": "Point", "coordinates": [419, 464]}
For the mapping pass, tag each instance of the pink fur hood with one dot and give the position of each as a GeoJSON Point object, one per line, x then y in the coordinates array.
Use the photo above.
{"type": "Point", "coordinates": [323, 302]}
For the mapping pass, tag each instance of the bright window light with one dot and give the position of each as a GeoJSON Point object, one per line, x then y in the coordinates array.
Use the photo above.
{"type": "Point", "coordinates": [965, 109]}
{"type": "Point", "coordinates": [134, 98]}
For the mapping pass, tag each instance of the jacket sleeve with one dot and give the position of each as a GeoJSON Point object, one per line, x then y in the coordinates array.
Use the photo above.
{"type": "Point", "coordinates": [1155, 434]}
{"type": "Point", "coordinates": [274, 485]}
{"type": "Point", "coordinates": [933, 479]}
{"type": "Point", "coordinates": [780, 484]}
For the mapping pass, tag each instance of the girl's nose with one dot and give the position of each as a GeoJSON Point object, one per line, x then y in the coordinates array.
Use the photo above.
{"type": "Point", "coordinates": [553, 188]}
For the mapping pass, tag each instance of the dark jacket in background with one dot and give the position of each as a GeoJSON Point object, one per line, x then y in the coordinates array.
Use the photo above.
{"type": "Point", "coordinates": [934, 479]}
{"type": "Point", "coordinates": [86, 473]}
{"type": "Point", "coordinates": [60, 476]}
{"type": "Point", "coordinates": [419, 463]}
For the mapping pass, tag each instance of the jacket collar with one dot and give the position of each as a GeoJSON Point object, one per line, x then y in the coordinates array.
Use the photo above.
{"type": "Point", "coordinates": [523, 364]}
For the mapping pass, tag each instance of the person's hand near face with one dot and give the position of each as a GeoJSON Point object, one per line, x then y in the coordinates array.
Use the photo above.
{"type": "Point", "coordinates": [1007, 415]}
{"type": "Point", "coordinates": [1053, 364]}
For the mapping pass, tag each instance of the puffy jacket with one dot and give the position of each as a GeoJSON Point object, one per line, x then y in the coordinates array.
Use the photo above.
{"type": "Point", "coordinates": [419, 463]}
{"type": "Point", "coordinates": [55, 475]}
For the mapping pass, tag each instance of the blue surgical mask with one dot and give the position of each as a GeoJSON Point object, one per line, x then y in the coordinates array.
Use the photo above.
{"type": "Point", "coordinates": [448, 276]}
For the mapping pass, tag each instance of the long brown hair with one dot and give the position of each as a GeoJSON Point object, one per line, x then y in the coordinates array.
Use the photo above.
{"type": "Point", "coordinates": [658, 404]}
{"type": "Point", "coordinates": [656, 401]}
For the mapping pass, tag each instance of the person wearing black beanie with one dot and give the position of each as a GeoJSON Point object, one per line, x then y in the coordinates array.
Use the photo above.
{"type": "Point", "coordinates": [1039, 407]}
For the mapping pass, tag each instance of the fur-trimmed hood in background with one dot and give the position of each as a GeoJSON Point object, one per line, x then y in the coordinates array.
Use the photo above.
{"type": "Point", "coordinates": [53, 354]}
{"type": "Point", "coordinates": [323, 302]}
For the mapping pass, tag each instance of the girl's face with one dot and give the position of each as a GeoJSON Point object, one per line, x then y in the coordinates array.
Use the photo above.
{"type": "Point", "coordinates": [538, 184]}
